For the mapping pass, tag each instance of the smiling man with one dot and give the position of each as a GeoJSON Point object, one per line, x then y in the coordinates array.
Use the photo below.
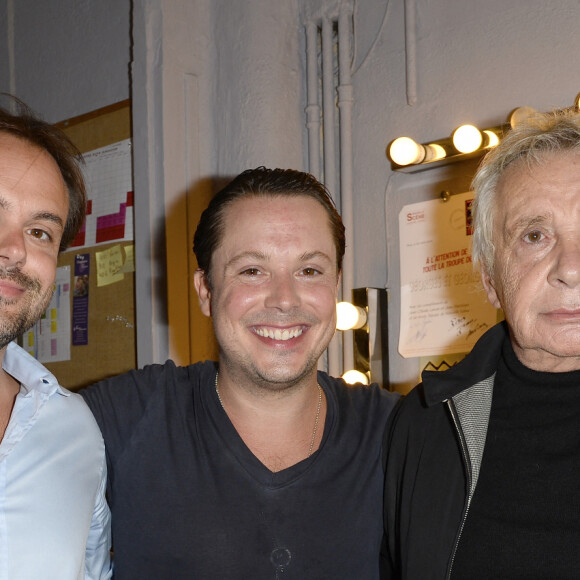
{"type": "Point", "coordinates": [483, 465]}
{"type": "Point", "coordinates": [54, 520]}
{"type": "Point", "coordinates": [258, 466]}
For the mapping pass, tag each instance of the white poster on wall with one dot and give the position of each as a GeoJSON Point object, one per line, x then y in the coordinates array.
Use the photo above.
{"type": "Point", "coordinates": [443, 306]}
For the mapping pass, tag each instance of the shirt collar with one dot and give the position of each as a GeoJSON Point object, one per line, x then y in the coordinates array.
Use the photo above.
{"type": "Point", "coordinates": [31, 374]}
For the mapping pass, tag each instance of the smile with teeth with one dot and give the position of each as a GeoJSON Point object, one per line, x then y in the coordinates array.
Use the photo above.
{"type": "Point", "coordinates": [278, 334]}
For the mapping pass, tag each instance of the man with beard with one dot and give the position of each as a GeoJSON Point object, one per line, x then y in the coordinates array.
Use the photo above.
{"type": "Point", "coordinates": [54, 521]}
{"type": "Point", "coordinates": [257, 467]}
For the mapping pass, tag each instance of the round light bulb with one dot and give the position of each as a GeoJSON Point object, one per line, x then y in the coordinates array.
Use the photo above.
{"type": "Point", "coordinates": [522, 115]}
{"type": "Point", "coordinates": [434, 152]}
{"type": "Point", "coordinates": [352, 377]}
{"type": "Point", "coordinates": [467, 139]}
{"type": "Point", "coordinates": [405, 151]}
{"type": "Point", "coordinates": [492, 138]}
{"type": "Point", "coordinates": [349, 316]}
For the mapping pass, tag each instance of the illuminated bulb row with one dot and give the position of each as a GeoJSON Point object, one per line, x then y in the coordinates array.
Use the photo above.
{"type": "Point", "coordinates": [466, 139]}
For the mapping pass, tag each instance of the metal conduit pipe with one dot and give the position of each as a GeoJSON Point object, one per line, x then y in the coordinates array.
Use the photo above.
{"type": "Point", "coordinates": [345, 106]}
{"type": "Point", "coordinates": [330, 170]}
{"type": "Point", "coordinates": [314, 161]}
{"type": "Point", "coordinates": [312, 108]}
{"type": "Point", "coordinates": [410, 52]}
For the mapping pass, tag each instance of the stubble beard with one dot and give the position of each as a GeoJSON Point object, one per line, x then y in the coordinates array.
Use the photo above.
{"type": "Point", "coordinates": [272, 376]}
{"type": "Point", "coordinates": [33, 304]}
{"type": "Point", "coordinates": [279, 378]}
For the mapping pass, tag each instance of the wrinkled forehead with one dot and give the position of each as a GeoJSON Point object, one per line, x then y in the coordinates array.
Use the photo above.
{"type": "Point", "coordinates": [548, 164]}
{"type": "Point", "coordinates": [539, 189]}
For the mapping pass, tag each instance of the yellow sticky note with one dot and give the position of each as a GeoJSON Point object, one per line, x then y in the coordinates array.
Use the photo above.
{"type": "Point", "coordinates": [129, 265]}
{"type": "Point", "coordinates": [109, 265]}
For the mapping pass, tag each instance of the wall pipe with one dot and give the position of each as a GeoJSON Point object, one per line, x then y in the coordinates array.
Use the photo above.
{"type": "Point", "coordinates": [411, 52]}
{"type": "Point", "coordinates": [345, 106]}
{"type": "Point", "coordinates": [329, 154]}
{"type": "Point", "coordinates": [314, 158]}
{"type": "Point", "coordinates": [328, 94]}
{"type": "Point", "coordinates": [312, 108]}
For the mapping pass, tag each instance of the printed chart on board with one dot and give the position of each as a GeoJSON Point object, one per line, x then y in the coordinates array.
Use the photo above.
{"type": "Point", "coordinates": [108, 176]}
{"type": "Point", "coordinates": [444, 309]}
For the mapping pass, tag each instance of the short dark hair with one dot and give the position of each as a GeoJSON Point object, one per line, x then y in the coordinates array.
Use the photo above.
{"type": "Point", "coordinates": [266, 183]}
{"type": "Point", "coordinates": [27, 126]}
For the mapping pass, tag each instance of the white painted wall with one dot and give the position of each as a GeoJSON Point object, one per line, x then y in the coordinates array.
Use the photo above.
{"type": "Point", "coordinates": [258, 91]}
{"type": "Point", "coordinates": [65, 57]}
{"type": "Point", "coordinates": [475, 62]}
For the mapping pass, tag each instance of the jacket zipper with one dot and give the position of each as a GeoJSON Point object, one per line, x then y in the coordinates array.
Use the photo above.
{"type": "Point", "coordinates": [455, 417]}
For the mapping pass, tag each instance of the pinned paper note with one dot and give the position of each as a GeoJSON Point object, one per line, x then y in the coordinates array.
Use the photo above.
{"type": "Point", "coordinates": [129, 264]}
{"type": "Point", "coordinates": [109, 266]}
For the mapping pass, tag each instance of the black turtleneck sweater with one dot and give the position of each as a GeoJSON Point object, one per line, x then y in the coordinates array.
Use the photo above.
{"type": "Point", "coordinates": [524, 519]}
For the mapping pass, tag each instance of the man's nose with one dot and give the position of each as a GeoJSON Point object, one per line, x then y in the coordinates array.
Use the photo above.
{"type": "Point", "coordinates": [12, 247]}
{"type": "Point", "coordinates": [283, 292]}
{"type": "Point", "coordinates": [566, 267]}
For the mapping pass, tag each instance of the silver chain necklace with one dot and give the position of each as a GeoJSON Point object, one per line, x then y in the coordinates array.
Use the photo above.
{"type": "Point", "coordinates": [318, 407]}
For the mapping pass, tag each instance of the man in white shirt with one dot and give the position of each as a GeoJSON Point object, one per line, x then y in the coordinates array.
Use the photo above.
{"type": "Point", "coordinates": [54, 521]}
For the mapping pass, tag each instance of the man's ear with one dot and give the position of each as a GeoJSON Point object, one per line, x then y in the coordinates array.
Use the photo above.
{"type": "Point", "coordinates": [203, 291]}
{"type": "Point", "coordinates": [489, 287]}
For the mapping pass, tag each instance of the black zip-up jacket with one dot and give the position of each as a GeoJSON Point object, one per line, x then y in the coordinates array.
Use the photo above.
{"type": "Point", "coordinates": [434, 446]}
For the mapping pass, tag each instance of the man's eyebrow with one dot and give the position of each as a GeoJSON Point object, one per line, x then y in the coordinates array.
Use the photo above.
{"type": "Point", "coordinates": [251, 254]}
{"type": "Point", "coordinates": [523, 223]}
{"type": "Point", "coordinates": [40, 216]}
{"type": "Point", "coordinates": [261, 257]}
{"type": "Point", "coordinates": [50, 217]}
{"type": "Point", "coordinates": [306, 257]}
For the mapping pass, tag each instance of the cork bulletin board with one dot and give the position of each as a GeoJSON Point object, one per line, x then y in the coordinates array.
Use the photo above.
{"type": "Point", "coordinates": [111, 310]}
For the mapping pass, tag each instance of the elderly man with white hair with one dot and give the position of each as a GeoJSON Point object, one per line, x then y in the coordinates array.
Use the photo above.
{"type": "Point", "coordinates": [483, 460]}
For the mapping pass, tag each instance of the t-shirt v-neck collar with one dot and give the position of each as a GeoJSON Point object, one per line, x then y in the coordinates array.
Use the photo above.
{"type": "Point", "coordinates": [235, 445]}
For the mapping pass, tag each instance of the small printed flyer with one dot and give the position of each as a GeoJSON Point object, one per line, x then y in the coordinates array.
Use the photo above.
{"type": "Point", "coordinates": [444, 308]}
{"type": "Point", "coordinates": [80, 326]}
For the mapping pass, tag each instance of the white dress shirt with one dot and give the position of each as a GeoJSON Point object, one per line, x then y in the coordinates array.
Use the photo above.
{"type": "Point", "coordinates": [54, 519]}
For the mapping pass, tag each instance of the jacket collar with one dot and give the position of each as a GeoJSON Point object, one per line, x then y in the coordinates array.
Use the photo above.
{"type": "Point", "coordinates": [478, 365]}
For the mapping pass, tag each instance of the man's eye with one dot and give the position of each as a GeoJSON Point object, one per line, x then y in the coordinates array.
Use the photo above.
{"type": "Point", "coordinates": [39, 234]}
{"type": "Point", "coordinates": [533, 237]}
{"type": "Point", "coordinates": [251, 272]}
{"type": "Point", "coordinates": [310, 272]}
